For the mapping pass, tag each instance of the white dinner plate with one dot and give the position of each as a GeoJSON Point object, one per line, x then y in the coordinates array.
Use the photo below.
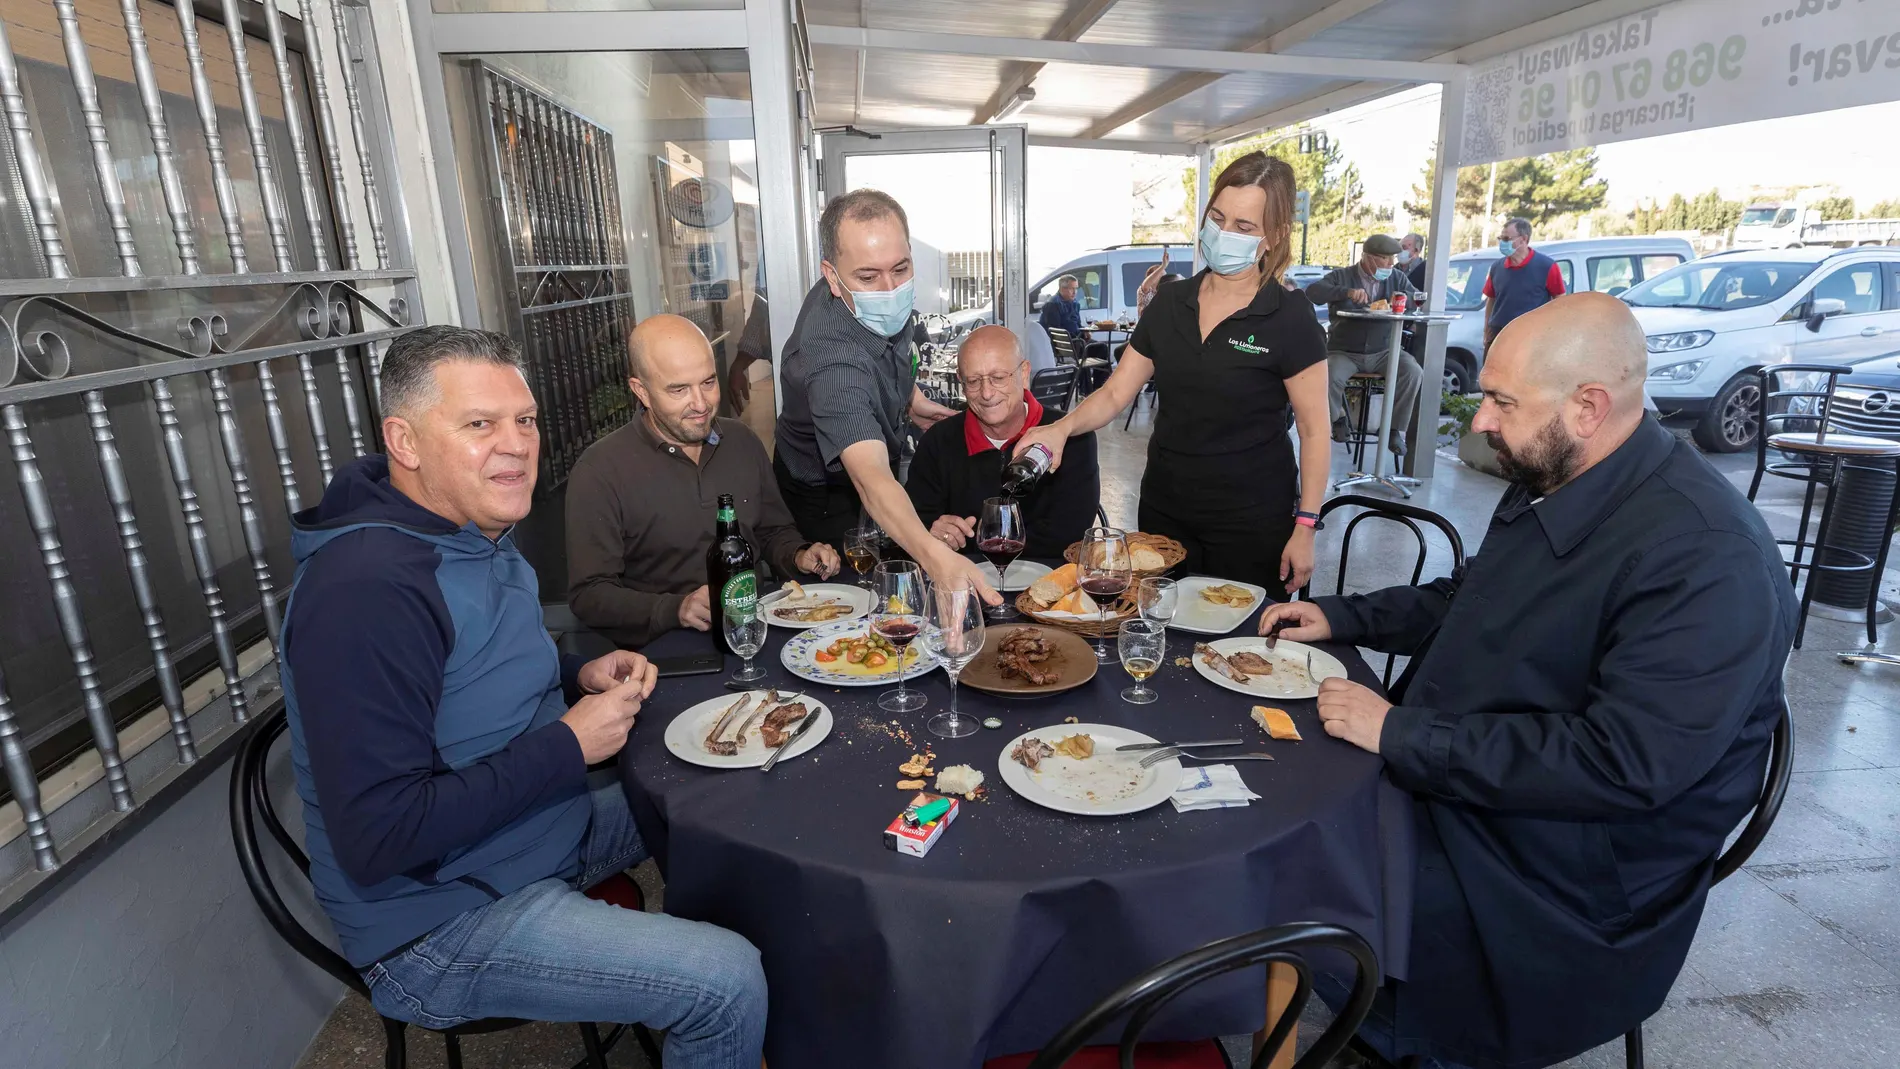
{"type": "Point", "coordinates": [798, 660]}
{"type": "Point", "coordinates": [687, 733]}
{"type": "Point", "coordinates": [1107, 784]}
{"type": "Point", "coordinates": [1288, 679]}
{"type": "Point", "coordinates": [855, 596]}
{"type": "Point", "coordinates": [1192, 612]}
{"type": "Point", "coordinates": [1021, 574]}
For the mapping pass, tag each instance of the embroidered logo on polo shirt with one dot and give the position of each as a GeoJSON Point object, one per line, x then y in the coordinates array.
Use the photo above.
{"type": "Point", "coordinates": [1248, 346]}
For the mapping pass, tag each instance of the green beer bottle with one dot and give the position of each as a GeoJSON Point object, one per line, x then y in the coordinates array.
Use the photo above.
{"type": "Point", "coordinates": [732, 584]}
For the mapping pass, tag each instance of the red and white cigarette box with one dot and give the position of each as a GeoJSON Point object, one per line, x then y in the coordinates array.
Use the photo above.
{"type": "Point", "coordinates": [917, 841]}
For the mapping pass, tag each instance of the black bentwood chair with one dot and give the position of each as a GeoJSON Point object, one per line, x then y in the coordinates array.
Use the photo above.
{"type": "Point", "coordinates": [250, 802]}
{"type": "Point", "coordinates": [1054, 388]}
{"type": "Point", "coordinates": [1410, 516]}
{"type": "Point", "coordinates": [1730, 861]}
{"type": "Point", "coordinates": [1146, 995]}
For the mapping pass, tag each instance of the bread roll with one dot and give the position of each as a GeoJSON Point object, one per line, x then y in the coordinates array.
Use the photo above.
{"type": "Point", "coordinates": [1052, 587]}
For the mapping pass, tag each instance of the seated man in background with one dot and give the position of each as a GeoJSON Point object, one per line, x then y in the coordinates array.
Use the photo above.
{"type": "Point", "coordinates": [441, 744]}
{"type": "Point", "coordinates": [1356, 345]}
{"type": "Point", "coordinates": [1587, 711]}
{"type": "Point", "coordinates": [641, 501]}
{"type": "Point", "coordinates": [960, 461]}
{"type": "Point", "coordinates": [1063, 310]}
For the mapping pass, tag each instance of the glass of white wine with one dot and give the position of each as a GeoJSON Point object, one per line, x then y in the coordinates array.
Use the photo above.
{"type": "Point", "coordinates": [1143, 644]}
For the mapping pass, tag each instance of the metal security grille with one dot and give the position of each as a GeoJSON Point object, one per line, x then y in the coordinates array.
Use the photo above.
{"type": "Point", "coordinates": [570, 306]}
{"type": "Point", "coordinates": [195, 228]}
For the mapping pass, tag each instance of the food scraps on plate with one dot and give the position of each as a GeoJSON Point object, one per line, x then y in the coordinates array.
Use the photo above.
{"type": "Point", "coordinates": [1232, 595]}
{"type": "Point", "coordinates": [772, 715]}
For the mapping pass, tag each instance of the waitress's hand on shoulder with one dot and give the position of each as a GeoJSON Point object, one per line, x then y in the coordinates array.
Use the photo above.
{"type": "Point", "coordinates": [1296, 560]}
{"type": "Point", "coordinates": [1051, 436]}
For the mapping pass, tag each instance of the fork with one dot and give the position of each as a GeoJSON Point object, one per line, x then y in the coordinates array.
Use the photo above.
{"type": "Point", "coordinates": [1174, 751]}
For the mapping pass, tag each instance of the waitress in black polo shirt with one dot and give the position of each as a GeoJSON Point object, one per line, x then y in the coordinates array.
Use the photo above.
{"type": "Point", "coordinates": [1229, 350]}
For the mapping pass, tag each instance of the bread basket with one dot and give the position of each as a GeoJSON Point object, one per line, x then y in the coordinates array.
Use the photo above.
{"type": "Point", "coordinates": [1172, 552]}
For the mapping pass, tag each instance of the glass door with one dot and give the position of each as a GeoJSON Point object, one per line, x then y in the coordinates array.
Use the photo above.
{"type": "Point", "coordinates": [963, 190]}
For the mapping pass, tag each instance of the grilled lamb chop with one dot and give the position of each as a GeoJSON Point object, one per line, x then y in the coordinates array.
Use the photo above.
{"type": "Point", "coordinates": [1219, 663]}
{"type": "Point", "coordinates": [771, 699]}
{"type": "Point", "coordinates": [1025, 653]}
{"type": "Point", "coordinates": [1030, 752]}
{"type": "Point", "coordinates": [726, 747]}
{"type": "Point", "coordinates": [1251, 663]}
{"type": "Point", "coordinates": [778, 723]}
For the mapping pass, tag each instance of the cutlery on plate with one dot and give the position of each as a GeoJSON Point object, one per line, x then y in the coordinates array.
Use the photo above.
{"type": "Point", "coordinates": [1162, 755]}
{"type": "Point", "coordinates": [1176, 745]}
{"type": "Point", "coordinates": [797, 733]}
{"type": "Point", "coordinates": [1273, 633]}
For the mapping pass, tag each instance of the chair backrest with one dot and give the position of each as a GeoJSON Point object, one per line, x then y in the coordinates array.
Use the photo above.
{"type": "Point", "coordinates": [1146, 995]}
{"type": "Point", "coordinates": [1064, 345]}
{"type": "Point", "coordinates": [250, 803]}
{"type": "Point", "coordinates": [1050, 386]}
{"type": "Point", "coordinates": [1779, 400]}
{"type": "Point", "coordinates": [1409, 516]}
{"type": "Point", "coordinates": [1774, 790]}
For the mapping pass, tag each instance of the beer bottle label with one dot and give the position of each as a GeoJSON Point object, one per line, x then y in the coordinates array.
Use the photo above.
{"type": "Point", "coordinates": [740, 597]}
{"type": "Point", "coordinates": [725, 515]}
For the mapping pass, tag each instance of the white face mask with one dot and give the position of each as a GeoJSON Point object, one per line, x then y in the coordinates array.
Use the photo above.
{"type": "Point", "coordinates": [1226, 252]}
{"type": "Point", "coordinates": [1405, 256]}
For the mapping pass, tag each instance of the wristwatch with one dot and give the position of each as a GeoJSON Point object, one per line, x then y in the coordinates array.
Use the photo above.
{"type": "Point", "coordinates": [1306, 519]}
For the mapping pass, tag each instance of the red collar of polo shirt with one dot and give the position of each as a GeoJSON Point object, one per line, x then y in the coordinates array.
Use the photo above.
{"type": "Point", "coordinates": [1528, 253]}
{"type": "Point", "coordinates": [976, 441]}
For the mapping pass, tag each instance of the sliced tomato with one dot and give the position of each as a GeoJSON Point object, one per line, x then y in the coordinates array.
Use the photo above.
{"type": "Point", "coordinates": [824, 656]}
{"type": "Point", "coordinates": [874, 659]}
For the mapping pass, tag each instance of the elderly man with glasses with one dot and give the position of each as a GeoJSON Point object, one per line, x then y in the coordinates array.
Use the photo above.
{"type": "Point", "coordinates": [960, 462]}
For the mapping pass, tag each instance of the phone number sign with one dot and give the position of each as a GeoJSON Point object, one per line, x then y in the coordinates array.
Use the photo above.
{"type": "Point", "coordinates": [1688, 65]}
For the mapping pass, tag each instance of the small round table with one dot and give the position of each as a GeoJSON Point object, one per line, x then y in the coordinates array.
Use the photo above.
{"type": "Point", "coordinates": [1020, 918]}
{"type": "Point", "coordinates": [1380, 473]}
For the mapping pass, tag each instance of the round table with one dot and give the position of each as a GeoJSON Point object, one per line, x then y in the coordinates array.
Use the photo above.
{"type": "Point", "coordinates": [1020, 918]}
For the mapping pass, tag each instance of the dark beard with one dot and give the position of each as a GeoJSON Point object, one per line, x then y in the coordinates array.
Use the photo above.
{"type": "Point", "coordinates": [1545, 463]}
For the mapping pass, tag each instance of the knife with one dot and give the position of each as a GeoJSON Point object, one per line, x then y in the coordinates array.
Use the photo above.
{"type": "Point", "coordinates": [1273, 634]}
{"type": "Point", "coordinates": [1165, 745]}
{"type": "Point", "coordinates": [797, 733]}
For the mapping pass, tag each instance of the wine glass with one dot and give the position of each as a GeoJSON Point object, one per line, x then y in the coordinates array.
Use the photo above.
{"type": "Point", "coordinates": [745, 633]}
{"type": "Point", "coordinates": [1000, 537]}
{"type": "Point", "coordinates": [1158, 598]}
{"type": "Point", "coordinates": [1104, 567]}
{"type": "Point", "coordinates": [899, 615]}
{"type": "Point", "coordinates": [1143, 644]}
{"type": "Point", "coordinates": [860, 551]}
{"type": "Point", "coordinates": [956, 637]}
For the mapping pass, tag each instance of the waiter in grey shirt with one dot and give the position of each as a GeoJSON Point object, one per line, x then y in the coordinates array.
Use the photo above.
{"type": "Point", "coordinates": [850, 382]}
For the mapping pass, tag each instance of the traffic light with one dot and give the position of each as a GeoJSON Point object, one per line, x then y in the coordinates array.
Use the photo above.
{"type": "Point", "coordinates": [1302, 204]}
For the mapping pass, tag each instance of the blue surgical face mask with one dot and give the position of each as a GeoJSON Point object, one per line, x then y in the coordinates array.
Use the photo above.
{"type": "Point", "coordinates": [1382, 273]}
{"type": "Point", "coordinates": [1405, 256]}
{"type": "Point", "coordinates": [1226, 252]}
{"type": "Point", "coordinates": [884, 312]}
{"type": "Point", "coordinates": [1506, 248]}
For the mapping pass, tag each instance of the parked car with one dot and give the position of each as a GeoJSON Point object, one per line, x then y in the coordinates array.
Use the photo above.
{"type": "Point", "coordinates": [1712, 324]}
{"type": "Point", "coordinates": [1108, 278]}
{"type": "Point", "coordinates": [1866, 398]}
{"type": "Point", "coordinates": [1606, 265]}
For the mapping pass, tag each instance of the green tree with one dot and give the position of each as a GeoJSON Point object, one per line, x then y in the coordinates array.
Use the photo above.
{"type": "Point", "coordinates": [1886, 209]}
{"type": "Point", "coordinates": [1675, 215]}
{"type": "Point", "coordinates": [1835, 208]}
{"type": "Point", "coordinates": [1332, 183]}
{"type": "Point", "coordinates": [1539, 188]}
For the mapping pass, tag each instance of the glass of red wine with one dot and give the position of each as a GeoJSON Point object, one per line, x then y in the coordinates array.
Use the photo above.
{"type": "Point", "coordinates": [1105, 568]}
{"type": "Point", "coordinates": [1000, 538]}
{"type": "Point", "coordinates": [899, 616]}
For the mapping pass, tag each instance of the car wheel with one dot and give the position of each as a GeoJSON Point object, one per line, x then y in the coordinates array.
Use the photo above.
{"type": "Point", "coordinates": [1458, 377]}
{"type": "Point", "coordinates": [1733, 419]}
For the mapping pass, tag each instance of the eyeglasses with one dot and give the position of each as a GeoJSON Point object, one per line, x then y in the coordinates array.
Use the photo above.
{"type": "Point", "coordinates": [999, 381]}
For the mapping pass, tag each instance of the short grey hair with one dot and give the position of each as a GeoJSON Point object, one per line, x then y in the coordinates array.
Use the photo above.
{"type": "Point", "coordinates": [1066, 279]}
{"type": "Point", "coordinates": [1417, 240]}
{"type": "Point", "coordinates": [859, 205]}
{"type": "Point", "coordinates": [408, 369]}
{"type": "Point", "coordinates": [1521, 225]}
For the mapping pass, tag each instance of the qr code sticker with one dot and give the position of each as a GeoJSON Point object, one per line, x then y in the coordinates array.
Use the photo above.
{"type": "Point", "coordinates": [1488, 113]}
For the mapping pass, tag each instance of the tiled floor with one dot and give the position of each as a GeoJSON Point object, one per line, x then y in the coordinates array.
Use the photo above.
{"type": "Point", "coordinates": [1797, 962]}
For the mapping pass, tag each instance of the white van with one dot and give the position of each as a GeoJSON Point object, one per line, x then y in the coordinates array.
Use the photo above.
{"type": "Point", "coordinates": [1108, 278]}
{"type": "Point", "coordinates": [1714, 323]}
{"type": "Point", "coordinates": [1606, 265]}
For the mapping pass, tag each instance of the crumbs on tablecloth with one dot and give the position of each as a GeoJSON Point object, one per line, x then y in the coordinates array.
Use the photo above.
{"type": "Point", "coordinates": [1071, 720]}
{"type": "Point", "coordinates": [1183, 662]}
{"type": "Point", "coordinates": [892, 730]}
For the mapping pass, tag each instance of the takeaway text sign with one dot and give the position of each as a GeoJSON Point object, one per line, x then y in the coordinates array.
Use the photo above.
{"type": "Point", "coordinates": [1687, 65]}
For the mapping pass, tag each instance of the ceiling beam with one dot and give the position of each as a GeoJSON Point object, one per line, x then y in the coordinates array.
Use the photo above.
{"type": "Point", "coordinates": [1157, 148]}
{"type": "Point", "coordinates": [1181, 85]}
{"type": "Point", "coordinates": [1076, 21]}
{"type": "Point", "coordinates": [1337, 98]}
{"type": "Point", "coordinates": [1144, 56]}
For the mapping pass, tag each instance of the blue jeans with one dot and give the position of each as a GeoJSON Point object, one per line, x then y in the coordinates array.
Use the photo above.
{"type": "Point", "coordinates": [1378, 1030]}
{"type": "Point", "coordinates": [549, 953]}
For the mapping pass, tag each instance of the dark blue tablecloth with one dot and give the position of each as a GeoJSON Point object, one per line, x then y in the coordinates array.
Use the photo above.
{"type": "Point", "coordinates": [1020, 918]}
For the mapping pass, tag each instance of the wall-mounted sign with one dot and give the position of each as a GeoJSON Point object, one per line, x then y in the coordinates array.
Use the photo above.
{"type": "Point", "coordinates": [1687, 65]}
{"type": "Point", "coordinates": [699, 202]}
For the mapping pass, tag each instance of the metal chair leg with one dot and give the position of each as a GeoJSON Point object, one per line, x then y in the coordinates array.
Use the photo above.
{"type": "Point", "coordinates": [648, 1045]}
{"type": "Point", "coordinates": [1633, 1048]}
{"type": "Point", "coordinates": [590, 1041]}
{"type": "Point", "coordinates": [1880, 561]}
{"type": "Point", "coordinates": [1820, 543]}
{"type": "Point", "coordinates": [395, 1044]}
{"type": "Point", "coordinates": [452, 1050]}
{"type": "Point", "coordinates": [1801, 533]}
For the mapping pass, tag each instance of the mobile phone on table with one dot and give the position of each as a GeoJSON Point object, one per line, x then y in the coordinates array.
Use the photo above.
{"type": "Point", "coordinates": [697, 664]}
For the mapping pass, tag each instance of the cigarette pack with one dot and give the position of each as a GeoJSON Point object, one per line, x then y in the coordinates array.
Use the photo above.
{"type": "Point", "coordinates": [916, 840]}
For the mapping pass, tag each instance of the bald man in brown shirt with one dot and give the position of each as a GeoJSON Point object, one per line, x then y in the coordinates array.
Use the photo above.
{"type": "Point", "coordinates": [641, 501]}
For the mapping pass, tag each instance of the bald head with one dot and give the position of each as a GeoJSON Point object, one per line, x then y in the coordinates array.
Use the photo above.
{"type": "Point", "coordinates": [987, 343]}
{"type": "Point", "coordinates": [995, 376]}
{"type": "Point", "coordinates": [671, 370]}
{"type": "Point", "coordinates": [1576, 340]}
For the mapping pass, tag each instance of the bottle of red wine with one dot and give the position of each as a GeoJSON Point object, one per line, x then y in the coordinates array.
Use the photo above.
{"type": "Point", "coordinates": [1020, 474]}
{"type": "Point", "coordinates": [731, 581]}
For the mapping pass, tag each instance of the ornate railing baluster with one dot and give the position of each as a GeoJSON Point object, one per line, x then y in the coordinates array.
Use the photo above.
{"type": "Point", "coordinates": [326, 127]}
{"type": "Point", "coordinates": [351, 415]}
{"type": "Point", "coordinates": [200, 541]}
{"type": "Point", "coordinates": [313, 404]}
{"type": "Point", "coordinates": [119, 493]}
{"type": "Point", "coordinates": [39, 188]}
{"type": "Point", "coordinates": [79, 66]}
{"type": "Point", "coordinates": [25, 785]}
{"type": "Point", "coordinates": [376, 381]}
{"type": "Point", "coordinates": [279, 441]}
{"type": "Point", "coordinates": [248, 519]}
{"type": "Point", "coordinates": [293, 126]}
{"type": "Point", "coordinates": [371, 200]}
{"type": "Point", "coordinates": [207, 103]}
{"type": "Point", "coordinates": [177, 205]}
{"type": "Point", "coordinates": [275, 217]}
{"type": "Point", "coordinates": [72, 621]}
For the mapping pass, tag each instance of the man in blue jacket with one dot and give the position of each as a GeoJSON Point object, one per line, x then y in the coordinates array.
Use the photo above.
{"type": "Point", "coordinates": [441, 744]}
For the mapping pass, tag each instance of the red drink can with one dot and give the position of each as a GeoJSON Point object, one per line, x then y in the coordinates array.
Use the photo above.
{"type": "Point", "coordinates": [1398, 304]}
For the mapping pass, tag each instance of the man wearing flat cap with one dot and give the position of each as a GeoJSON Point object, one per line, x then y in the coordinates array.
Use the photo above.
{"type": "Point", "coordinates": [1356, 345]}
